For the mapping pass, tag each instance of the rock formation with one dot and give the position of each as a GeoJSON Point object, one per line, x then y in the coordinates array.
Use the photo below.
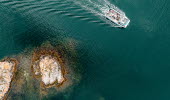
{"type": "Point", "coordinates": [49, 68]}
{"type": "Point", "coordinates": [7, 71]}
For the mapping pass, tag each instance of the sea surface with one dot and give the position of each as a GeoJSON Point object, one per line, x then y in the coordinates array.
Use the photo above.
{"type": "Point", "coordinates": [116, 64]}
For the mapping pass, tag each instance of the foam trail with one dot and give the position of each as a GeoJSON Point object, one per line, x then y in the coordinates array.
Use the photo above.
{"type": "Point", "coordinates": [96, 8]}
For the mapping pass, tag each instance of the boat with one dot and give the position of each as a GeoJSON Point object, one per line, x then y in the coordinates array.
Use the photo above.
{"type": "Point", "coordinates": [116, 16]}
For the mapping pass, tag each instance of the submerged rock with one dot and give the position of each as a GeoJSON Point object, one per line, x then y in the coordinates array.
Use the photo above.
{"type": "Point", "coordinates": [7, 70]}
{"type": "Point", "coordinates": [49, 69]}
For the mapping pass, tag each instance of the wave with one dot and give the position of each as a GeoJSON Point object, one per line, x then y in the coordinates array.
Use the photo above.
{"type": "Point", "coordinates": [53, 7]}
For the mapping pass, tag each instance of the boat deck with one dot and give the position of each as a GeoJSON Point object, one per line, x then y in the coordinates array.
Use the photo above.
{"type": "Point", "coordinates": [119, 18]}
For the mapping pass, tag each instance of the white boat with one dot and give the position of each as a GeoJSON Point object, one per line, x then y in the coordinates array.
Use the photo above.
{"type": "Point", "coordinates": [116, 16]}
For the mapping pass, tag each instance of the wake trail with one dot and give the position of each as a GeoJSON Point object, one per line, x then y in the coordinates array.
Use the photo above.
{"type": "Point", "coordinates": [96, 8]}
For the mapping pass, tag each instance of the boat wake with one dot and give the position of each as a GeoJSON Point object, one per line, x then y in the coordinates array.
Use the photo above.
{"type": "Point", "coordinates": [67, 8]}
{"type": "Point", "coordinates": [96, 8]}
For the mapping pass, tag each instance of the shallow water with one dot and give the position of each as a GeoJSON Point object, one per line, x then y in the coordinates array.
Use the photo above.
{"type": "Point", "coordinates": [117, 64]}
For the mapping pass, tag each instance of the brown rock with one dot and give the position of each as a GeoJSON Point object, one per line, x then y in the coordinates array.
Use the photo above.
{"type": "Point", "coordinates": [7, 69]}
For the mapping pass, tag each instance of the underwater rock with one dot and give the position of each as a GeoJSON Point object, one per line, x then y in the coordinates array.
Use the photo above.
{"type": "Point", "coordinates": [50, 69]}
{"type": "Point", "coordinates": [7, 71]}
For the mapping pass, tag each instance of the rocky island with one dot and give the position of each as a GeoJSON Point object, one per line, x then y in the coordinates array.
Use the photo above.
{"type": "Point", "coordinates": [7, 71]}
{"type": "Point", "coordinates": [48, 66]}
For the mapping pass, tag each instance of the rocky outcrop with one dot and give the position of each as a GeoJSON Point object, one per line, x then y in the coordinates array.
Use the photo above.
{"type": "Point", "coordinates": [7, 70]}
{"type": "Point", "coordinates": [49, 69]}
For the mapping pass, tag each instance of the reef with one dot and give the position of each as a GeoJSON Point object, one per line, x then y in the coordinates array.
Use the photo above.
{"type": "Point", "coordinates": [42, 72]}
{"type": "Point", "coordinates": [7, 73]}
{"type": "Point", "coordinates": [48, 66]}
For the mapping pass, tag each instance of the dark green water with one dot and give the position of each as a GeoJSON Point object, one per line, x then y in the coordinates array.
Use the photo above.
{"type": "Point", "coordinates": [118, 64]}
